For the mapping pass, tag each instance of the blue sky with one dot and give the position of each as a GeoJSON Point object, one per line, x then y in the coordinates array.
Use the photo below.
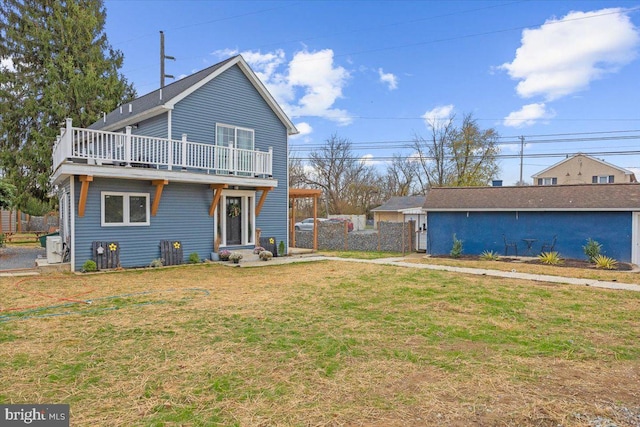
{"type": "Point", "coordinates": [563, 74]}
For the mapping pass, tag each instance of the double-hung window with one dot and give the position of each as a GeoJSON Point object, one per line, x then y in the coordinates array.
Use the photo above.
{"type": "Point", "coordinates": [124, 209]}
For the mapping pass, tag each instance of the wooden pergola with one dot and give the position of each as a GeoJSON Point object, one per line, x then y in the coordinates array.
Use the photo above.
{"type": "Point", "coordinates": [304, 193]}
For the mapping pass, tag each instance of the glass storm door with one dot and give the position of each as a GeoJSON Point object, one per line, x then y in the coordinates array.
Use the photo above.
{"type": "Point", "coordinates": [234, 220]}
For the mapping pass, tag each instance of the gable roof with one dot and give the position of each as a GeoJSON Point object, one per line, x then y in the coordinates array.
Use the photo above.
{"type": "Point", "coordinates": [163, 99]}
{"type": "Point", "coordinates": [568, 159]}
{"type": "Point", "coordinates": [582, 197]}
{"type": "Point", "coordinates": [399, 203]}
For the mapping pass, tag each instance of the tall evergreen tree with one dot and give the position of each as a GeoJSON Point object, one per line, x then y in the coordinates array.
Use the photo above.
{"type": "Point", "coordinates": [56, 62]}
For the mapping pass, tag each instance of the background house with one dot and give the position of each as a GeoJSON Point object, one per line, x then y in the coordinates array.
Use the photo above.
{"type": "Point", "coordinates": [582, 169]}
{"type": "Point", "coordinates": [200, 161]}
{"type": "Point", "coordinates": [404, 209]}
{"type": "Point", "coordinates": [401, 209]}
{"type": "Point", "coordinates": [481, 216]}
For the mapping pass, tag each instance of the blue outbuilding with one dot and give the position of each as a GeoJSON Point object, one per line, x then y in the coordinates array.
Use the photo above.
{"type": "Point", "coordinates": [506, 219]}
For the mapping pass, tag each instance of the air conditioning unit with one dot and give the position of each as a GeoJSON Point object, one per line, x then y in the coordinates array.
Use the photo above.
{"type": "Point", "coordinates": [54, 249]}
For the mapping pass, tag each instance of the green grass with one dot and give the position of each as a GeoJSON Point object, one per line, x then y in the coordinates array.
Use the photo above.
{"type": "Point", "coordinates": [320, 343]}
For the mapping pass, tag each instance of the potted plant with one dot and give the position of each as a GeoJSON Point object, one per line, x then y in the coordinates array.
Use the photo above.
{"type": "Point", "coordinates": [224, 255]}
{"type": "Point", "coordinates": [235, 257]}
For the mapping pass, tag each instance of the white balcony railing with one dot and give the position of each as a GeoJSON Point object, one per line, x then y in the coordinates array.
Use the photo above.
{"type": "Point", "coordinates": [127, 149]}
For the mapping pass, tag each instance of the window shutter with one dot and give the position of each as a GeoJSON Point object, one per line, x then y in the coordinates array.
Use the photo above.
{"type": "Point", "coordinates": [611, 178]}
{"type": "Point", "coordinates": [554, 181]}
{"type": "Point", "coordinates": [594, 180]}
{"type": "Point", "coordinates": [539, 181]}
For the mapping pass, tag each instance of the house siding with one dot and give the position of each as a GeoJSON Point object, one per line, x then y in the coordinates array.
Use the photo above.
{"type": "Point", "coordinates": [182, 215]}
{"type": "Point", "coordinates": [231, 99]}
{"type": "Point", "coordinates": [155, 127]}
{"type": "Point", "coordinates": [482, 231]}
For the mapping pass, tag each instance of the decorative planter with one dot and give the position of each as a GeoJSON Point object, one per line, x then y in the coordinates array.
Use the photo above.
{"type": "Point", "coordinates": [215, 256]}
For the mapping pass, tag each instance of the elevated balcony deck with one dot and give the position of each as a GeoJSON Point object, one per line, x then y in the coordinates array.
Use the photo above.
{"type": "Point", "coordinates": [87, 147]}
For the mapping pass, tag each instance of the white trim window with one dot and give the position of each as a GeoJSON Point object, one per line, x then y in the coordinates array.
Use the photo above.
{"type": "Point", "coordinates": [124, 209]}
{"type": "Point", "coordinates": [603, 179]}
{"type": "Point", "coordinates": [547, 181]}
{"type": "Point", "coordinates": [238, 137]}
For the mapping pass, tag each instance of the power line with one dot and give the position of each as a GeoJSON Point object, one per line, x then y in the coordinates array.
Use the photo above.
{"type": "Point", "coordinates": [499, 156]}
{"type": "Point", "coordinates": [387, 144]}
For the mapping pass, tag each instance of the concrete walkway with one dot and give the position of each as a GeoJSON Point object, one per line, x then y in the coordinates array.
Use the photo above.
{"type": "Point", "coordinates": [401, 262]}
{"type": "Point", "coordinates": [302, 255]}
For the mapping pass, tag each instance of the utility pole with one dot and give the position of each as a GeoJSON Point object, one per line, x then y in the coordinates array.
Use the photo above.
{"type": "Point", "coordinates": [162, 58]}
{"type": "Point", "coordinates": [521, 158]}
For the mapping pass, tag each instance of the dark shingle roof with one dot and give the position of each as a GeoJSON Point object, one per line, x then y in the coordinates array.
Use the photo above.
{"type": "Point", "coordinates": [398, 203]}
{"type": "Point", "coordinates": [553, 197]}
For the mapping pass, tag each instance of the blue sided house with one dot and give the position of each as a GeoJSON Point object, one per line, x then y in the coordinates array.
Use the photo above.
{"type": "Point", "coordinates": [197, 164]}
{"type": "Point", "coordinates": [530, 219]}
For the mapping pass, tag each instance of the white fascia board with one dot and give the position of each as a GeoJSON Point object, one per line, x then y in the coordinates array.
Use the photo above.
{"type": "Point", "coordinates": [413, 211]}
{"type": "Point", "coordinates": [119, 172]}
{"type": "Point", "coordinates": [255, 81]}
{"type": "Point", "coordinates": [131, 120]}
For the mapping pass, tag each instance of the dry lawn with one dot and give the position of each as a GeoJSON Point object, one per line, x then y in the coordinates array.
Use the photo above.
{"type": "Point", "coordinates": [583, 273]}
{"type": "Point", "coordinates": [325, 343]}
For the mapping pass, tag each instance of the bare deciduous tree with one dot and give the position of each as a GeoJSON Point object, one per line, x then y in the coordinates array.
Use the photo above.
{"type": "Point", "coordinates": [454, 157]}
{"type": "Point", "coordinates": [342, 177]}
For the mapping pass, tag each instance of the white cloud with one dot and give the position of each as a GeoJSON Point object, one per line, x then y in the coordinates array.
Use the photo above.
{"type": "Point", "coordinates": [388, 78]}
{"type": "Point", "coordinates": [322, 84]}
{"type": "Point", "coordinates": [307, 85]}
{"type": "Point", "coordinates": [528, 115]}
{"type": "Point", "coordinates": [565, 55]}
{"type": "Point", "coordinates": [304, 128]}
{"type": "Point", "coordinates": [438, 114]}
{"type": "Point", "coordinates": [7, 64]}
{"type": "Point", "coordinates": [368, 159]}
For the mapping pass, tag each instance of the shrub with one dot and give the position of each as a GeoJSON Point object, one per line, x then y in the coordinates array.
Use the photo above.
{"type": "Point", "coordinates": [489, 256]}
{"type": "Point", "coordinates": [456, 250]}
{"type": "Point", "coordinates": [194, 258]}
{"type": "Point", "coordinates": [89, 266]}
{"type": "Point", "coordinates": [281, 248]}
{"type": "Point", "coordinates": [258, 250]}
{"type": "Point", "coordinates": [158, 262]}
{"type": "Point", "coordinates": [224, 255]}
{"type": "Point", "coordinates": [3, 239]}
{"type": "Point", "coordinates": [550, 258]}
{"type": "Point", "coordinates": [592, 249]}
{"type": "Point", "coordinates": [605, 262]}
{"type": "Point", "coordinates": [265, 255]}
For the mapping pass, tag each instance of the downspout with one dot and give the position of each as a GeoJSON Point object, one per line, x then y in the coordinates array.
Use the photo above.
{"type": "Point", "coordinates": [72, 232]}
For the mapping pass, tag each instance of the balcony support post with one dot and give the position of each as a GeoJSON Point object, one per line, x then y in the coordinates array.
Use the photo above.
{"type": "Point", "coordinates": [127, 146]}
{"type": "Point", "coordinates": [84, 191]}
{"type": "Point", "coordinates": [159, 183]}
{"type": "Point", "coordinates": [217, 193]}
{"type": "Point", "coordinates": [184, 151]}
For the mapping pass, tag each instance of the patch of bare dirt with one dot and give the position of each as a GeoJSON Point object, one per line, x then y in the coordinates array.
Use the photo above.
{"type": "Point", "coordinates": [566, 262]}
